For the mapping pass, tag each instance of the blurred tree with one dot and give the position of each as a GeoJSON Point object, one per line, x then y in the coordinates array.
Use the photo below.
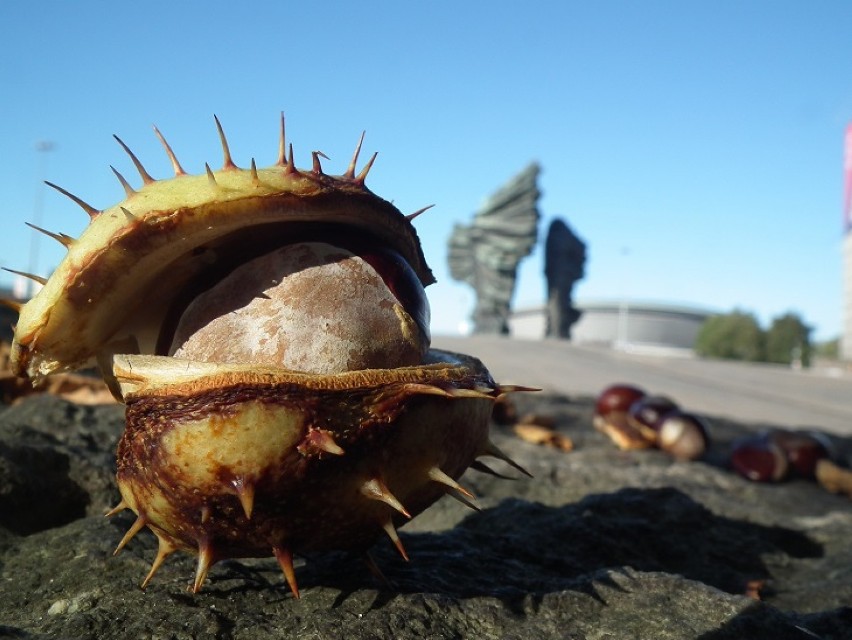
{"type": "Point", "coordinates": [788, 341]}
{"type": "Point", "coordinates": [829, 349]}
{"type": "Point", "coordinates": [732, 336]}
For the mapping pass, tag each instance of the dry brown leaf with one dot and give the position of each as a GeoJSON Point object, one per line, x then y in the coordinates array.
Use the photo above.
{"type": "Point", "coordinates": [544, 436]}
{"type": "Point", "coordinates": [753, 588]}
{"type": "Point", "coordinates": [834, 478]}
{"type": "Point", "coordinates": [622, 434]}
{"type": "Point", "coordinates": [539, 419]}
{"type": "Point", "coordinates": [73, 387]}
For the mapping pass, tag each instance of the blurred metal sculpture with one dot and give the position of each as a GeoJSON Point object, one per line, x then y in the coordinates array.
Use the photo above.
{"type": "Point", "coordinates": [564, 264]}
{"type": "Point", "coordinates": [486, 253]}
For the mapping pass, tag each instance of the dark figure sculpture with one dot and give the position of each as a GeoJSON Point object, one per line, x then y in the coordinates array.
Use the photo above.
{"type": "Point", "coordinates": [564, 261]}
{"type": "Point", "coordinates": [486, 253]}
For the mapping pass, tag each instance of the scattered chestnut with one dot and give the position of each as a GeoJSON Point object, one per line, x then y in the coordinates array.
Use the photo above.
{"type": "Point", "coordinates": [634, 420]}
{"type": "Point", "coordinates": [615, 399]}
{"type": "Point", "coordinates": [802, 449]}
{"type": "Point", "coordinates": [646, 414]}
{"type": "Point", "coordinates": [759, 458]}
{"type": "Point", "coordinates": [683, 435]}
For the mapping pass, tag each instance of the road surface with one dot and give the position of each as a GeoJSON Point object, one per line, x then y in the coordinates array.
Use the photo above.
{"type": "Point", "coordinates": [753, 393]}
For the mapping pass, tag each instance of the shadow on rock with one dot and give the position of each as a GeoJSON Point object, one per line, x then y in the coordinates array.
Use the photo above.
{"type": "Point", "coordinates": [520, 548]}
{"type": "Point", "coordinates": [31, 470]}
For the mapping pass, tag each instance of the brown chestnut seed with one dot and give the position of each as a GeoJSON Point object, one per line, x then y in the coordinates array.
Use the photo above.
{"type": "Point", "coordinates": [617, 397]}
{"type": "Point", "coordinates": [612, 405]}
{"type": "Point", "coordinates": [759, 459]}
{"type": "Point", "coordinates": [803, 450]}
{"type": "Point", "coordinates": [646, 415]}
{"type": "Point", "coordinates": [308, 307]}
{"type": "Point", "coordinates": [683, 435]}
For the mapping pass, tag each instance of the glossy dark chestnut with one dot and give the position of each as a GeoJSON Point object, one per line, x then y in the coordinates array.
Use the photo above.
{"type": "Point", "coordinates": [617, 398]}
{"type": "Point", "coordinates": [803, 450]}
{"type": "Point", "coordinates": [683, 435]}
{"type": "Point", "coordinates": [646, 414]}
{"type": "Point", "coordinates": [760, 459]}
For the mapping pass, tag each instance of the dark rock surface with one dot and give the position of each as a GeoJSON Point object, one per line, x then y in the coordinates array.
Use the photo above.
{"type": "Point", "coordinates": [600, 544]}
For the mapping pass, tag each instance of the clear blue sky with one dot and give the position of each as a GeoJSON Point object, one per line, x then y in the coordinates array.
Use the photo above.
{"type": "Point", "coordinates": [695, 146]}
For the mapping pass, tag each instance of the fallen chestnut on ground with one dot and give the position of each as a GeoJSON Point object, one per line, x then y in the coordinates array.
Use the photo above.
{"type": "Point", "coordinates": [633, 419]}
{"type": "Point", "coordinates": [772, 456]}
{"type": "Point", "coordinates": [647, 413]}
{"type": "Point", "coordinates": [683, 435]}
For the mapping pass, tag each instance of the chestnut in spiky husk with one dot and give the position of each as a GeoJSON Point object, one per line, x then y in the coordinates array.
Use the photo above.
{"type": "Point", "coordinates": [268, 332]}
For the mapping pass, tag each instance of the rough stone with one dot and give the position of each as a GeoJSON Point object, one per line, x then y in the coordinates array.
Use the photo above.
{"type": "Point", "coordinates": [600, 544]}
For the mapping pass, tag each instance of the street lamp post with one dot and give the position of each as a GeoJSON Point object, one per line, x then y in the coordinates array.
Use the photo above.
{"type": "Point", "coordinates": [623, 329]}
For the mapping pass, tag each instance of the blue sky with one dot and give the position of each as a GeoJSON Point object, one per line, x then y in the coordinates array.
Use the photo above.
{"type": "Point", "coordinates": [696, 147]}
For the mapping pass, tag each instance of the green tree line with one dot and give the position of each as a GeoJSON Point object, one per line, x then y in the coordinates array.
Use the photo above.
{"type": "Point", "coordinates": [739, 336]}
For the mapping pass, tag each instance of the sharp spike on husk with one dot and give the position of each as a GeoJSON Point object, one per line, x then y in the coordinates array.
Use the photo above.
{"type": "Point", "coordinates": [476, 465]}
{"type": "Point", "coordinates": [425, 389]}
{"type": "Point", "coordinates": [468, 393]}
{"type": "Point", "coordinates": [290, 165]}
{"type": "Point", "coordinates": [439, 476]}
{"type": "Point", "coordinates": [127, 213]}
{"type": "Point", "coordinates": [171, 154]}
{"type": "Point", "coordinates": [282, 146]}
{"type": "Point", "coordinates": [205, 514]}
{"type": "Point", "coordinates": [128, 190]}
{"type": "Point", "coordinates": [121, 506]}
{"type": "Point", "coordinates": [29, 276]}
{"type": "Point", "coordinates": [206, 559]}
{"type": "Point", "coordinates": [465, 501]}
{"type": "Point", "coordinates": [135, 528]}
{"type": "Point", "coordinates": [227, 163]}
{"type": "Point", "coordinates": [375, 489]}
{"type": "Point", "coordinates": [492, 450]}
{"type": "Point", "coordinates": [245, 492]}
{"type": "Point", "coordinates": [285, 560]}
{"type": "Point", "coordinates": [255, 179]}
{"type": "Point", "coordinates": [164, 550]}
{"type": "Point", "coordinates": [392, 534]}
{"type": "Point", "coordinates": [350, 172]}
{"type": "Point", "coordinates": [411, 216]}
{"type": "Point", "coordinates": [317, 167]}
{"type": "Point", "coordinates": [82, 203]}
{"type": "Point", "coordinates": [65, 240]}
{"type": "Point", "coordinates": [514, 388]}
{"type": "Point", "coordinates": [14, 305]}
{"type": "Point", "coordinates": [210, 177]}
{"type": "Point", "coordinates": [146, 177]}
{"type": "Point", "coordinates": [362, 177]}
{"type": "Point", "coordinates": [320, 440]}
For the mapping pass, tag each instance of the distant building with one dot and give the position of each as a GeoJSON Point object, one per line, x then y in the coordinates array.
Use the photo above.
{"type": "Point", "coordinates": [629, 325]}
